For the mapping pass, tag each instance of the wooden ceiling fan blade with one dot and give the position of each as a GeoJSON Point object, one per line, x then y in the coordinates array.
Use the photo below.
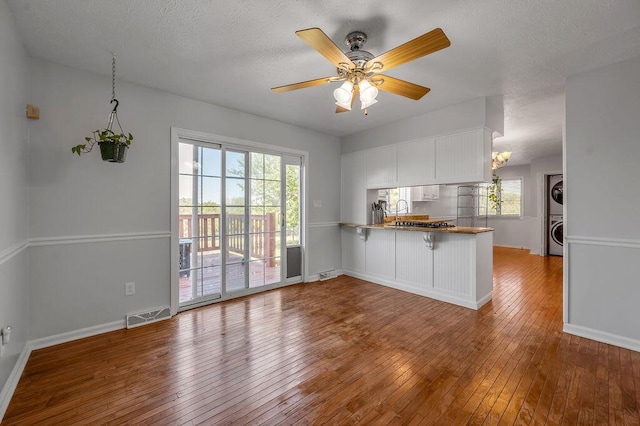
{"type": "Point", "coordinates": [317, 39]}
{"type": "Point", "coordinates": [418, 47]}
{"type": "Point", "coordinates": [401, 87]}
{"type": "Point", "coordinates": [303, 84]}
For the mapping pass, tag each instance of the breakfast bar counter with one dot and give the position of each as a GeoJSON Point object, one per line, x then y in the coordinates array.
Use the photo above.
{"type": "Point", "coordinates": [451, 230]}
{"type": "Point", "coordinates": [449, 263]}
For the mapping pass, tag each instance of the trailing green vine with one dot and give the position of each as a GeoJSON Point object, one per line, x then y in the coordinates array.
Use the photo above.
{"type": "Point", "coordinates": [495, 189]}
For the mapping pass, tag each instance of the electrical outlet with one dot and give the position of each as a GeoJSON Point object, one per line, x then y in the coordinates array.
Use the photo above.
{"type": "Point", "coordinates": [129, 289]}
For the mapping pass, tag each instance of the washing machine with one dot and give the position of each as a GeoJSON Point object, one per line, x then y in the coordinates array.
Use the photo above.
{"type": "Point", "coordinates": [555, 235]}
{"type": "Point", "coordinates": [556, 197]}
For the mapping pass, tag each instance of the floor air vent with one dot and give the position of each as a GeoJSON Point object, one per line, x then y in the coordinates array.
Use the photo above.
{"type": "Point", "coordinates": [326, 275]}
{"type": "Point", "coordinates": [135, 320]}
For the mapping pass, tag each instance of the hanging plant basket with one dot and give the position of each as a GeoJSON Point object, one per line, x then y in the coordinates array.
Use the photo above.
{"type": "Point", "coordinates": [113, 146]}
{"type": "Point", "coordinates": [113, 152]}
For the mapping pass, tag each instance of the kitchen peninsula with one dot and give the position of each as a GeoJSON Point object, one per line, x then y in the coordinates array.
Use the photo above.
{"type": "Point", "coordinates": [451, 264]}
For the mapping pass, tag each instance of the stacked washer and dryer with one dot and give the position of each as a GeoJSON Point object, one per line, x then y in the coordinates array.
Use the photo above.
{"type": "Point", "coordinates": [555, 198]}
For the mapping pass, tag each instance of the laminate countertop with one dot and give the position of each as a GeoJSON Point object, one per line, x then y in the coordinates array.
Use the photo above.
{"type": "Point", "coordinates": [450, 230]}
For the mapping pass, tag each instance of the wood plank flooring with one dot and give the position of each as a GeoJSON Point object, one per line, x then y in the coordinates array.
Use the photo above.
{"type": "Point", "coordinates": [344, 351]}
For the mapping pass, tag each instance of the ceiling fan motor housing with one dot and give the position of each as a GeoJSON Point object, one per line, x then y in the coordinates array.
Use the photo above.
{"type": "Point", "coordinates": [355, 40]}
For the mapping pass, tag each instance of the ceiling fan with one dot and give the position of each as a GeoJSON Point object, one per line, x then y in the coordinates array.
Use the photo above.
{"type": "Point", "coordinates": [360, 70]}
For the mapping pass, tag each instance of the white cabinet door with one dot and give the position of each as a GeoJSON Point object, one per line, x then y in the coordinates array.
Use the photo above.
{"type": "Point", "coordinates": [381, 166]}
{"type": "Point", "coordinates": [380, 253]}
{"type": "Point", "coordinates": [353, 251]}
{"type": "Point", "coordinates": [464, 157]}
{"type": "Point", "coordinates": [353, 206]}
{"type": "Point", "coordinates": [414, 261]}
{"type": "Point", "coordinates": [453, 264]}
{"type": "Point", "coordinates": [425, 193]}
{"type": "Point", "coordinates": [416, 162]}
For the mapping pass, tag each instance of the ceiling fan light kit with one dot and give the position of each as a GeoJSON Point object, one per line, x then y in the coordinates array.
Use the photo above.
{"type": "Point", "coordinates": [343, 93]}
{"type": "Point", "coordinates": [499, 159]}
{"type": "Point", "coordinates": [360, 71]}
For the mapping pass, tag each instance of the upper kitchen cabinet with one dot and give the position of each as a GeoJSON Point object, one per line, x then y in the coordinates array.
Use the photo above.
{"type": "Point", "coordinates": [417, 162]}
{"type": "Point", "coordinates": [353, 206]}
{"type": "Point", "coordinates": [381, 167]}
{"type": "Point", "coordinates": [464, 157]}
{"type": "Point", "coordinates": [425, 193]}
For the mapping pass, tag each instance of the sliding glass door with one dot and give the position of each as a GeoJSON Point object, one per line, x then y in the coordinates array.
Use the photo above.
{"type": "Point", "coordinates": [239, 216]}
{"type": "Point", "coordinates": [199, 222]}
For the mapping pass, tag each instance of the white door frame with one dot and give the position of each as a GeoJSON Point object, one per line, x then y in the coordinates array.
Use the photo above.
{"type": "Point", "coordinates": [179, 133]}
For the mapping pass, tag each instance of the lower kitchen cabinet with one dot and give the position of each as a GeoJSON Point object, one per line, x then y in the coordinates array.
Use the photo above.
{"type": "Point", "coordinates": [457, 269]}
{"type": "Point", "coordinates": [380, 252]}
{"type": "Point", "coordinates": [414, 261]}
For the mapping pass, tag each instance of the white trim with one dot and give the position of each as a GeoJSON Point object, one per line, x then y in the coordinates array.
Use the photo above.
{"type": "Point", "coordinates": [236, 294]}
{"type": "Point", "coordinates": [14, 377]}
{"type": "Point", "coordinates": [602, 336]}
{"type": "Point", "coordinates": [244, 145]}
{"type": "Point", "coordinates": [12, 382]}
{"type": "Point", "coordinates": [69, 336]}
{"type": "Point", "coordinates": [323, 224]}
{"type": "Point", "coordinates": [100, 238]}
{"type": "Point", "coordinates": [600, 241]}
{"type": "Point", "coordinates": [232, 142]}
{"type": "Point", "coordinates": [513, 247]}
{"type": "Point", "coordinates": [14, 250]}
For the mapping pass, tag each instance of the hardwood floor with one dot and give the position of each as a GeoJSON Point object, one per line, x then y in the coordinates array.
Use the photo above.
{"type": "Point", "coordinates": [344, 351]}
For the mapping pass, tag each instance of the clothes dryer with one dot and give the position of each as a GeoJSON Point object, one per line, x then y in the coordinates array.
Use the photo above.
{"type": "Point", "coordinates": [556, 239]}
{"type": "Point", "coordinates": [556, 194]}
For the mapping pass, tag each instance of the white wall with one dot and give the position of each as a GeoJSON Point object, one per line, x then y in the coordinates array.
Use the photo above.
{"type": "Point", "coordinates": [96, 225]}
{"type": "Point", "coordinates": [602, 257]}
{"type": "Point", "coordinates": [515, 232]}
{"type": "Point", "coordinates": [14, 96]}
{"type": "Point", "coordinates": [527, 231]}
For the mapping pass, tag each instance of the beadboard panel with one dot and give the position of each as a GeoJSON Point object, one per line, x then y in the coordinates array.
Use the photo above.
{"type": "Point", "coordinates": [603, 291]}
{"type": "Point", "coordinates": [353, 251]}
{"type": "Point", "coordinates": [454, 265]}
{"type": "Point", "coordinates": [381, 253]}
{"type": "Point", "coordinates": [414, 261]}
{"type": "Point", "coordinates": [483, 258]}
{"type": "Point", "coordinates": [463, 157]}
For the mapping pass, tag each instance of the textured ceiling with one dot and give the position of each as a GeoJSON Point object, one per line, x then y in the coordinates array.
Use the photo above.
{"type": "Point", "coordinates": [230, 53]}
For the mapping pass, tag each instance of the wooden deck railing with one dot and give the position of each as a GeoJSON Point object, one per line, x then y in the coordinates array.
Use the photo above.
{"type": "Point", "coordinates": [262, 237]}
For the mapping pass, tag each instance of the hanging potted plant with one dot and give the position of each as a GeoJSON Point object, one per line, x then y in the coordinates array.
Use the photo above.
{"type": "Point", "coordinates": [113, 144]}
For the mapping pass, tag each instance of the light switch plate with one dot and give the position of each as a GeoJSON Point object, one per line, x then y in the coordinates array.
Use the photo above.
{"type": "Point", "coordinates": [129, 289]}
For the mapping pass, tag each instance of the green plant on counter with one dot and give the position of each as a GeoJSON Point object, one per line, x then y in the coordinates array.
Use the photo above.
{"type": "Point", "coordinates": [495, 189]}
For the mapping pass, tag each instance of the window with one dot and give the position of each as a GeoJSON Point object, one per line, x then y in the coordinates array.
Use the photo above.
{"type": "Point", "coordinates": [391, 197]}
{"type": "Point", "coordinates": [510, 198]}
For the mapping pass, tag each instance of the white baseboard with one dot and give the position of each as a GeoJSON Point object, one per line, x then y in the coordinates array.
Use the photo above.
{"type": "Point", "coordinates": [12, 382]}
{"type": "Point", "coordinates": [513, 247]}
{"type": "Point", "coordinates": [602, 336]}
{"type": "Point", "coordinates": [432, 294]}
{"type": "Point", "coordinates": [69, 336]}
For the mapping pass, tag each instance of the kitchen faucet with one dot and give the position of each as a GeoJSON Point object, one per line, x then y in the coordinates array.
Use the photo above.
{"type": "Point", "coordinates": [406, 207]}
